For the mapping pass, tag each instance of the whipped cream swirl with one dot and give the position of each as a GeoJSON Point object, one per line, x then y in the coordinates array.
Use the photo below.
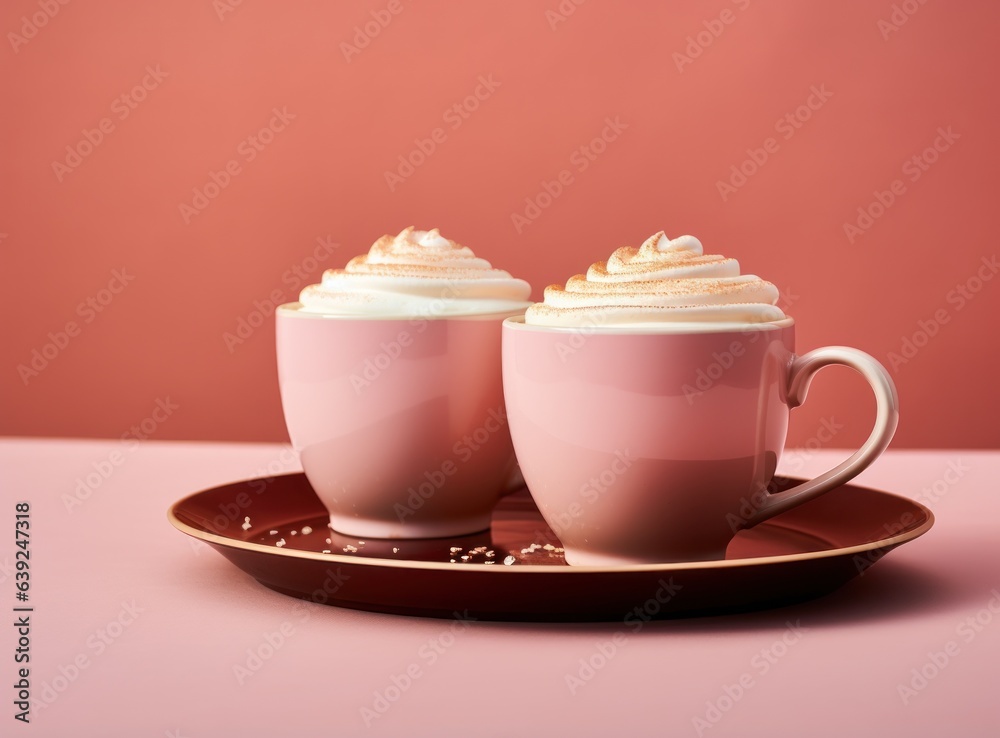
{"type": "Point", "coordinates": [416, 273]}
{"type": "Point", "coordinates": [663, 281]}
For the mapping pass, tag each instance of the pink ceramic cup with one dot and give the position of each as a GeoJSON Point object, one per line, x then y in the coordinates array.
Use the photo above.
{"type": "Point", "coordinates": [400, 423]}
{"type": "Point", "coordinates": [655, 445]}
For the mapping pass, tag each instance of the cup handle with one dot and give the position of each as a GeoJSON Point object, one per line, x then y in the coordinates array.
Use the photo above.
{"type": "Point", "coordinates": [800, 374]}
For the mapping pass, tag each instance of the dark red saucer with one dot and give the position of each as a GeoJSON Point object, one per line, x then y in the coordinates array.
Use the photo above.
{"type": "Point", "coordinates": [275, 529]}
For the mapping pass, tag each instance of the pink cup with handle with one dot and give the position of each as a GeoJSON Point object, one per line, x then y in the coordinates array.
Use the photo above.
{"type": "Point", "coordinates": [648, 438]}
{"type": "Point", "coordinates": [630, 463]}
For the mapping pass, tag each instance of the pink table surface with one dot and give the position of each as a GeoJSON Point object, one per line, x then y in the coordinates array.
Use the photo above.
{"type": "Point", "coordinates": [160, 622]}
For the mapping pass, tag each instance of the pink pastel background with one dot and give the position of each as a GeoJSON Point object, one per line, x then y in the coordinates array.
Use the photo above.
{"type": "Point", "coordinates": [883, 85]}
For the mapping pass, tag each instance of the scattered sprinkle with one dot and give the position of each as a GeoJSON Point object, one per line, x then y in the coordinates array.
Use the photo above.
{"type": "Point", "coordinates": [489, 562]}
{"type": "Point", "coordinates": [329, 541]}
{"type": "Point", "coordinates": [455, 549]}
{"type": "Point", "coordinates": [246, 526]}
{"type": "Point", "coordinates": [280, 543]}
{"type": "Point", "coordinates": [549, 547]}
{"type": "Point", "coordinates": [295, 532]}
{"type": "Point", "coordinates": [395, 550]}
{"type": "Point", "coordinates": [466, 558]}
{"type": "Point", "coordinates": [451, 561]}
{"type": "Point", "coordinates": [273, 532]}
{"type": "Point", "coordinates": [306, 530]}
{"type": "Point", "coordinates": [350, 549]}
{"type": "Point", "coordinates": [326, 551]}
{"type": "Point", "coordinates": [490, 555]}
{"type": "Point", "coordinates": [509, 561]}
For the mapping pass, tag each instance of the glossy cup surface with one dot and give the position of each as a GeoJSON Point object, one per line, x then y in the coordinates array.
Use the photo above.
{"type": "Point", "coordinates": [400, 423]}
{"type": "Point", "coordinates": [643, 447]}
